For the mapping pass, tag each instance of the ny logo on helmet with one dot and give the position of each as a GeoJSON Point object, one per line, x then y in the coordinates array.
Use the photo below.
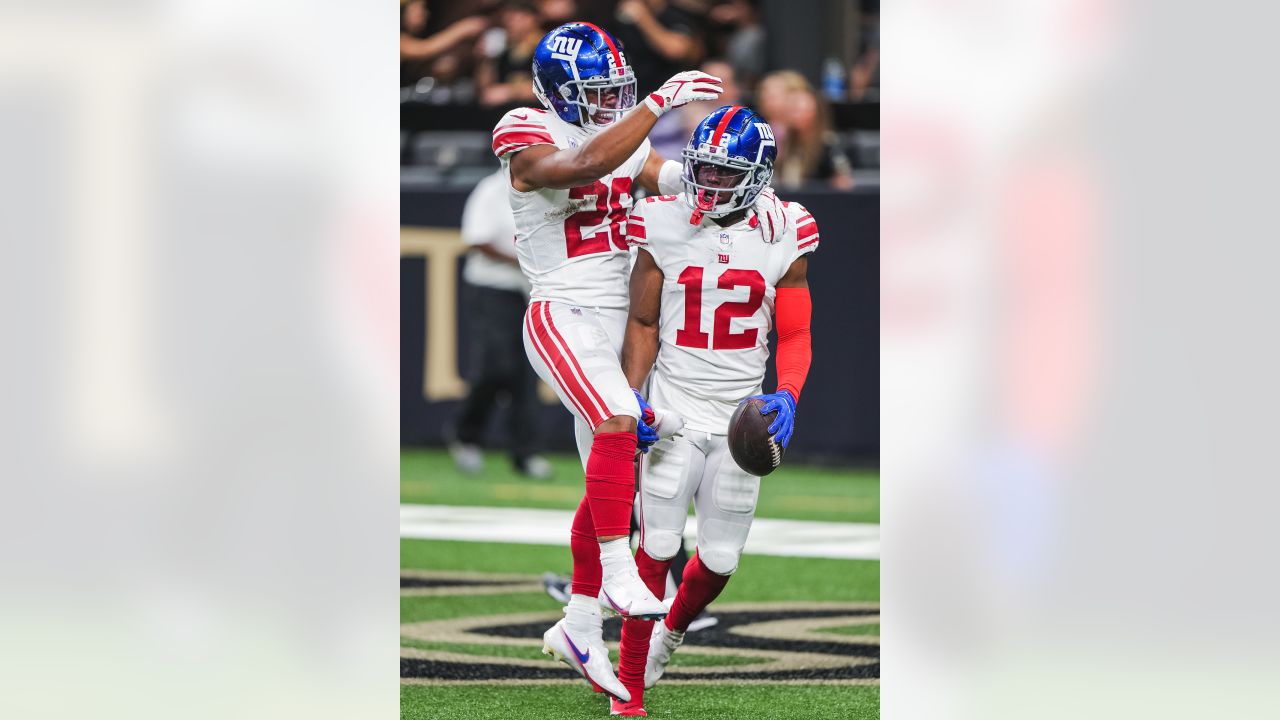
{"type": "Point", "coordinates": [766, 139]}
{"type": "Point", "coordinates": [565, 48]}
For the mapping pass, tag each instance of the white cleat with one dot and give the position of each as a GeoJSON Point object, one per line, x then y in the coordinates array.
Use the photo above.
{"type": "Point", "coordinates": [662, 643]}
{"type": "Point", "coordinates": [586, 654]}
{"type": "Point", "coordinates": [625, 594]}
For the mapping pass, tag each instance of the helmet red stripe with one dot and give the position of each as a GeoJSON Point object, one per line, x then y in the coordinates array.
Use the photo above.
{"type": "Point", "coordinates": [617, 60]}
{"type": "Point", "coordinates": [724, 123]}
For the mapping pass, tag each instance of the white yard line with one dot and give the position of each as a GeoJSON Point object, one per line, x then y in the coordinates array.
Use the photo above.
{"type": "Point", "coordinates": [788, 538]}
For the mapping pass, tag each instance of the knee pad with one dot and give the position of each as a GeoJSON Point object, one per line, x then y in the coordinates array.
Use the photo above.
{"type": "Point", "coordinates": [719, 559]}
{"type": "Point", "coordinates": [662, 544]}
{"type": "Point", "coordinates": [720, 543]}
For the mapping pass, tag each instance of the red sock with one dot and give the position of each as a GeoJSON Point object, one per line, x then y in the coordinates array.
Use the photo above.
{"type": "Point", "coordinates": [634, 649]}
{"type": "Point", "coordinates": [611, 482]}
{"type": "Point", "coordinates": [586, 552]}
{"type": "Point", "coordinates": [697, 589]}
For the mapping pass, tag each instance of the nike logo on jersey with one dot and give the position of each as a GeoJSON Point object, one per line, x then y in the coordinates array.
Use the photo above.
{"type": "Point", "coordinates": [520, 117]}
{"type": "Point", "coordinates": [582, 656]}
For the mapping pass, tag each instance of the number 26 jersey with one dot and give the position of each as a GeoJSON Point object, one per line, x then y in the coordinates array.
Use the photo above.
{"type": "Point", "coordinates": [718, 292]}
{"type": "Point", "coordinates": [571, 243]}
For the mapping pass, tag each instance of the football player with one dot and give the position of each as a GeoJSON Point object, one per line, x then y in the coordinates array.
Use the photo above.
{"type": "Point", "coordinates": [713, 271]}
{"type": "Point", "coordinates": [571, 166]}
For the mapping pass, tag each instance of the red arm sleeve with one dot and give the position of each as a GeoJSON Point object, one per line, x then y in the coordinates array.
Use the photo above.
{"type": "Point", "coordinates": [795, 350]}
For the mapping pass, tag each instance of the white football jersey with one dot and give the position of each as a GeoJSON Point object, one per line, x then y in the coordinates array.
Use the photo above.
{"type": "Point", "coordinates": [571, 243]}
{"type": "Point", "coordinates": [717, 304]}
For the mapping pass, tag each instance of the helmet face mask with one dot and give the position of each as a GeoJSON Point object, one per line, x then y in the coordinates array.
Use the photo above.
{"type": "Point", "coordinates": [712, 185]}
{"type": "Point", "coordinates": [728, 162]}
{"type": "Point", "coordinates": [602, 101]}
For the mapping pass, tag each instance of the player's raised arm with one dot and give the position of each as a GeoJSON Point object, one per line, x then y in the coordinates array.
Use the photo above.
{"type": "Point", "coordinates": [545, 166]}
{"type": "Point", "coordinates": [640, 345]}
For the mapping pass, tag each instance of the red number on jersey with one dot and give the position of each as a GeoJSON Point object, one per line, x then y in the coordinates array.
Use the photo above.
{"type": "Point", "coordinates": [608, 205]}
{"type": "Point", "coordinates": [691, 334]}
{"type": "Point", "coordinates": [725, 339]}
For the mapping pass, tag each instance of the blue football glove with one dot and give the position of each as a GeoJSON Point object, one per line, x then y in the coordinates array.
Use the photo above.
{"type": "Point", "coordinates": [785, 422]}
{"type": "Point", "coordinates": [646, 436]}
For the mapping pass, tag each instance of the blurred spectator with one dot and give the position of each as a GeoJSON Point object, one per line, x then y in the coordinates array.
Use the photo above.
{"type": "Point", "coordinates": [671, 133]}
{"type": "Point", "coordinates": [864, 75]}
{"type": "Point", "coordinates": [801, 122]}
{"type": "Point", "coordinates": [422, 55]}
{"type": "Point", "coordinates": [557, 12]}
{"type": "Point", "coordinates": [659, 40]}
{"type": "Point", "coordinates": [504, 75]}
{"type": "Point", "coordinates": [744, 46]}
{"type": "Point", "coordinates": [495, 293]}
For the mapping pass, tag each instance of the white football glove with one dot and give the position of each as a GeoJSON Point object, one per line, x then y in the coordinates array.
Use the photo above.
{"type": "Point", "coordinates": [770, 215]}
{"type": "Point", "coordinates": [683, 88]}
{"type": "Point", "coordinates": [666, 423]}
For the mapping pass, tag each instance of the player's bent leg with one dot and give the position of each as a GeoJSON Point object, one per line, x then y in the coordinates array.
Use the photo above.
{"type": "Point", "coordinates": [669, 477]}
{"type": "Point", "coordinates": [611, 491]}
{"type": "Point", "coordinates": [572, 351]}
{"type": "Point", "coordinates": [725, 504]}
{"type": "Point", "coordinates": [566, 358]}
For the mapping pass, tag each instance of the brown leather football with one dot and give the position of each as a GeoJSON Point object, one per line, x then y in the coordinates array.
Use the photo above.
{"type": "Point", "coordinates": [749, 441]}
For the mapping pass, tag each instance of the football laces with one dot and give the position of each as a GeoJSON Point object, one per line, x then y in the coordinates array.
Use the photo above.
{"type": "Point", "coordinates": [776, 450]}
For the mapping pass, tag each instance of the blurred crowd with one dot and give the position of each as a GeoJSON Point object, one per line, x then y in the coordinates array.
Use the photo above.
{"type": "Point", "coordinates": [480, 52]}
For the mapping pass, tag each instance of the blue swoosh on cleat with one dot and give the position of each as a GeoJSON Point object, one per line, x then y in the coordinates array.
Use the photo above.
{"type": "Point", "coordinates": [619, 610]}
{"type": "Point", "coordinates": [582, 656]}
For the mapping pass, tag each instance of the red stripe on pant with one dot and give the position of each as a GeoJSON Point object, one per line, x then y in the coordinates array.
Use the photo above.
{"type": "Point", "coordinates": [564, 346]}
{"type": "Point", "coordinates": [555, 372]}
{"type": "Point", "coordinates": [634, 649]}
{"type": "Point", "coordinates": [561, 368]}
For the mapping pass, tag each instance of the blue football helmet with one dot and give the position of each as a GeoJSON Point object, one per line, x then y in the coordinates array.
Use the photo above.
{"type": "Point", "coordinates": [728, 162]}
{"type": "Point", "coordinates": [580, 74]}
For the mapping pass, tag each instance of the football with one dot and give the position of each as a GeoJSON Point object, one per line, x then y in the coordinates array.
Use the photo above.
{"type": "Point", "coordinates": [750, 443]}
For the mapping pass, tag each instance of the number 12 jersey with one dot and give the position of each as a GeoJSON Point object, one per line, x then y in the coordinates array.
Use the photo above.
{"type": "Point", "coordinates": [718, 292]}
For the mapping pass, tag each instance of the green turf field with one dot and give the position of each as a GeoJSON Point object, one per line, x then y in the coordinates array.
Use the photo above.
{"type": "Point", "coordinates": [794, 492]}
{"type": "Point", "coordinates": [571, 702]}
{"type": "Point", "coordinates": [442, 629]}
